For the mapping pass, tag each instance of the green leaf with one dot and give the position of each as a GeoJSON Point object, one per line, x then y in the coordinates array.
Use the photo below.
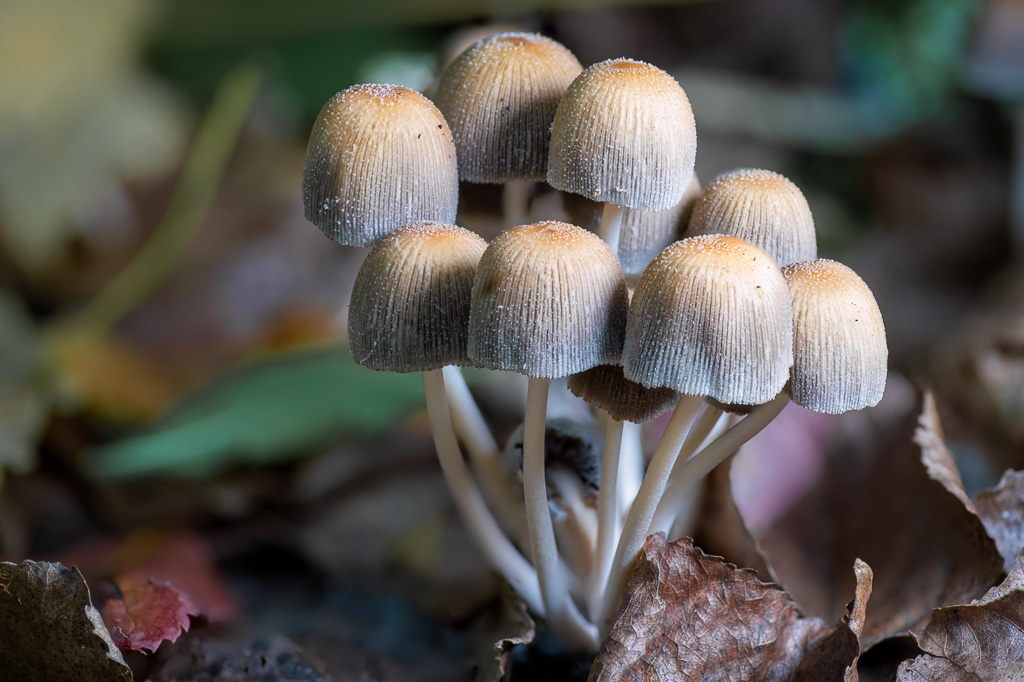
{"type": "Point", "coordinates": [264, 412]}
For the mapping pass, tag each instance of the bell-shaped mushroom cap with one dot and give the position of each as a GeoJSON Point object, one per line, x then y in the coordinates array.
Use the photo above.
{"type": "Point", "coordinates": [606, 388]}
{"type": "Point", "coordinates": [410, 302]}
{"type": "Point", "coordinates": [761, 207]}
{"type": "Point", "coordinates": [839, 349]}
{"type": "Point", "coordinates": [500, 97]}
{"type": "Point", "coordinates": [624, 134]}
{"type": "Point", "coordinates": [711, 316]}
{"type": "Point", "coordinates": [549, 300]}
{"type": "Point", "coordinates": [379, 157]}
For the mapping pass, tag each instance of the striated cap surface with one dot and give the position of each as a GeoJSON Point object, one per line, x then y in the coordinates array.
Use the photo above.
{"type": "Point", "coordinates": [624, 133]}
{"type": "Point", "coordinates": [711, 316]}
{"type": "Point", "coordinates": [839, 351]}
{"type": "Point", "coordinates": [549, 300]}
{"type": "Point", "coordinates": [411, 299]}
{"type": "Point", "coordinates": [379, 157]}
{"type": "Point", "coordinates": [499, 97]}
{"type": "Point", "coordinates": [761, 207]}
{"type": "Point", "coordinates": [606, 388]}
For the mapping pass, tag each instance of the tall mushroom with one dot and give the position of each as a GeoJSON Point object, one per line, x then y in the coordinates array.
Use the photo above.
{"type": "Point", "coordinates": [410, 313]}
{"type": "Point", "coordinates": [549, 300]}
{"type": "Point", "coordinates": [711, 316]}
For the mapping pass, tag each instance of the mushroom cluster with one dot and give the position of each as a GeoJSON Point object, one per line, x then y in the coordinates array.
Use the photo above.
{"type": "Point", "coordinates": [731, 314]}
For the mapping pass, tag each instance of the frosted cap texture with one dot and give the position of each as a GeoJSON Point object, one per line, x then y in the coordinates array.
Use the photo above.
{"type": "Point", "coordinates": [549, 300]}
{"type": "Point", "coordinates": [411, 298]}
{"type": "Point", "coordinates": [606, 388]}
{"type": "Point", "coordinates": [500, 97]}
{"type": "Point", "coordinates": [711, 316]}
{"type": "Point", "coordinates": [624, 134]}
{"type": "Point", "coordinates": [761, 207]}
{"type": "Point", "coordinates": [379, 157]}
{"type": "Point", "coordinates": [840, 354]}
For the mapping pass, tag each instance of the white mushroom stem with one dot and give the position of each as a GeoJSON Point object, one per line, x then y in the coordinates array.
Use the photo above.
{"type": "Point", "coordinates": [515, 202]}
{"type": "Point", "coordinates": [478, 519]}
{"type": "Point", "coordinates": [634, 531]}
{"type": "Point", "coordinates": [484, 455]}
{"type": "Point", "coordinates": [718, 451]}
{"type": "Point", "coordinates": [608, 514]}
{"type": "Point", "coordinates": [562, 615]}
{"type": "Point", "coordinates": [665, 514]}
{"type": "Point", "coordinates": [631, 466]}
{"type": "Point", "coordinates": [611, 226]}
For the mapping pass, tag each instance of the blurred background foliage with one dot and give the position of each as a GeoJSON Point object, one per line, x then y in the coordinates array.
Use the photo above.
{"type": "Point", "coordinates": [166, 312]}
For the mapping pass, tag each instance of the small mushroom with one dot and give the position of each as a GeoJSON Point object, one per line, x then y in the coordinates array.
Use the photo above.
{"type": "Point", "coordinates": [499, 97]}
{"type": "Point", "coordinates": [549, 300]}
{"type": "Point", "coordinates": [379, 157]}
{"type": "Point", "coordinates": [761, 207]}
{"type": "Point", "coordinates": [839, 349]}
{"type": "Point", "coordinates": [623, 134]}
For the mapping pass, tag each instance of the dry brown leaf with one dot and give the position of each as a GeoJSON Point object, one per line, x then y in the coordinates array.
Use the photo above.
{"type": "Point", "coordinates": [835, 656]}
{"type": "Point", "coordinates": [978, 642]}
{"type": "Point", "coordinates": [1002, 510]}
{"type": "Point", "coordinates": [690, 616]}
{"type": "Point", "coordinates": [514, 627]}
{"type": "Point", "coordinates": [901, 508]}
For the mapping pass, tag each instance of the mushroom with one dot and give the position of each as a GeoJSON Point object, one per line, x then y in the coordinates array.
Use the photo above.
{"type": "Point", "coordinates": [549, 300]}
{"type": "Point", "coordinates": [623, 134]}
{"type": "Point", "coordinates": [839, 361]}
{"type": "Point", "coordinates": [410, 313]}
{"type": "Point", "coordinates": [379, 157]}
{"type": "Point", "coordinates": [499, 97]}
{"type": "Point", "coordinates": [761, 207]}
{"type": "Point", "coordinates": [711, 316]}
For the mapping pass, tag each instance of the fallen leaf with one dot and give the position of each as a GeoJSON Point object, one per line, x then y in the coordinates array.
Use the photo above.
{"type": "Point", "coordinates": [835, 656]}
{"type": "Point", "coordinates": [899, 506]}
{"type": "Point", "coordinates": [49, 628]}
{"type": "Point", "coordinates": [181, 558]}
{"type": "Point", "coordinates": [1002, 510]}
{"type": "Point", "coordinates": [513, 627]}
{"type": "Point", "coordinates": [978, 642]}
{"type": "Point", "coordinates": [264, 412]}
{"type": "Point", "coordinates": [147, 613]}
{"type": "Point", "coordinates": [690, 616]}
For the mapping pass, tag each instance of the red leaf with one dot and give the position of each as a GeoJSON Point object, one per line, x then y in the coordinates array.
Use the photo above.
{"type": "Point", "coordinates": [148, 613]}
